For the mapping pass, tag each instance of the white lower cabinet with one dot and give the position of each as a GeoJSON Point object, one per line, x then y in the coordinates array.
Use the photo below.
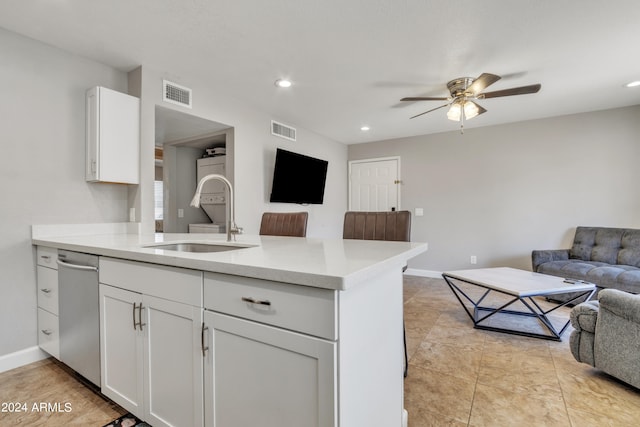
{"type": "Point", "coordinates": [258, 375]}
{"type": "Point", "coordinates": [151, 356]}
{"type": "Point", "coordinates": [182, 347]}
{"type": "Point", "coordinates": [263, 366]}
{"type": "Point", "coordinates": [47, 284]}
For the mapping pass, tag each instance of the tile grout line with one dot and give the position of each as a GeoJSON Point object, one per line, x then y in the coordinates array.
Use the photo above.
{"type": "Point", "coordinates": [475, 386]}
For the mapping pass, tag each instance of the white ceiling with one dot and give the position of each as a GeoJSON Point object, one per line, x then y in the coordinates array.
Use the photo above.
{"type": "Point", "coordinates": [352, 60]}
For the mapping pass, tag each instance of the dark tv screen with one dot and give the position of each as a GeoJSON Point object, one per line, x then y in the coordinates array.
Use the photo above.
{"type": "Point", "coordinates": [298, 178]}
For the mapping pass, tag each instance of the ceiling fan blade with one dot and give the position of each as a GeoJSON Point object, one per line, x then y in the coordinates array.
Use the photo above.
{"type": "Point", "coordinates": [522, 90]}
{"type": "Point", "coordinates": [481, 83]}
{"type": "Point", "coordinates": [481, 109]}
{"type": "Point", "coordinates": [423, 98]}
{"type": "Point", "coordinates": [433, 109]}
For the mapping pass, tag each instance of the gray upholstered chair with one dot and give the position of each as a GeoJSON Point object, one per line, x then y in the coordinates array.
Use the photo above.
{"type": "Point", "coordinates": [389, 226]}
{"type": "Point", "coordinates": [293, 224]}
{"type": "Point", "coordinates": [607, 334]}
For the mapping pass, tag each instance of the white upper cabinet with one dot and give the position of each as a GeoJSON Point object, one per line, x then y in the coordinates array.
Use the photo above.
{"type": "Point", "coordinates": [113, 136]}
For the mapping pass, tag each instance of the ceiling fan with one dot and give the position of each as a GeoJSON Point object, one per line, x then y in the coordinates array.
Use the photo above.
{"type": "Point", "coordinates": [464, 90]}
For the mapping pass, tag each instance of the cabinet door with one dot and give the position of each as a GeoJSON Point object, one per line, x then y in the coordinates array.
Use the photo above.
{"type": "Point", "coordinates": [173, 373]}
{"type": "Point", "coordinates": [113, 136]}
{"type": "Point", "coordinates": [121, 347]}
{"type": "Point", "coordinates": [258, 375]}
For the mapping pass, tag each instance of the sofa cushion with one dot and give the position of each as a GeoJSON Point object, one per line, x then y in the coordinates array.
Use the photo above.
{"type": "Point", "coordinates": [629, 281]}
{"type": "Point", "coordinates": [607, 276]}
{"type": "Point", "coordinates": [604, 244]}
{"type": "Point", "coordinates": [580, 269]}
{"type": "Point", "coordinates": [607, 245]}
{"type": "Point", "coordinates": [583, 242]}
{"type": "Point", "coordinates": [575, 269]}
{"type": "Point", "coordinates": [629, 253]}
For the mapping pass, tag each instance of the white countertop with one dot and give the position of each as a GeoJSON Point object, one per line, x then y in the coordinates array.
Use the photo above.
{"type": "Point", "coordinates": [325, 263]}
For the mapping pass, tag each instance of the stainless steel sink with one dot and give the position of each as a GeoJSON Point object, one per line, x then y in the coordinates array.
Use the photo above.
{"type": "Point", "coordinates": [195, 247]}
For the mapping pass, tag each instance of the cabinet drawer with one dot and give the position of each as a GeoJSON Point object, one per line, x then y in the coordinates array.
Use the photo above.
{"type": "Point", "coordinates": [304, 309]}
{"type": "Point", "coordinates": [172, 283]}
{"type": "Point", "coordinates": [48, 289]}
{"type": "Point", "coordinates": [47, 257]}
{"type": "Point", "coordinates": [48, 335]}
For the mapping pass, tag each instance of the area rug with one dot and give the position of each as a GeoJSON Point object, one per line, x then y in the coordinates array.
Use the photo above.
{"type": "Point", "coordinates": [127, 420]}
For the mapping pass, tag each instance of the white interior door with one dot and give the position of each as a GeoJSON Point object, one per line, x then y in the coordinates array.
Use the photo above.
{"type": "Point", "coordinates": [374, 184]}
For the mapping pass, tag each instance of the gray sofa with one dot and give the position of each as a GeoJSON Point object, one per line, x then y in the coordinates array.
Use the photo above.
{"type": "Point", "coordinates": [607, 334]}
{"type": "Point", "coordinates": [607, 257]}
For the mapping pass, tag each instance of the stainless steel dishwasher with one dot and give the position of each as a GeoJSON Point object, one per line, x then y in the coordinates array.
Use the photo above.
{"type": "Point", "coordinates": [79, 313]}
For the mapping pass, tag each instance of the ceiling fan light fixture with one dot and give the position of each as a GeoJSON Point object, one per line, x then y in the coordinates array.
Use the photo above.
{"type": "Point", "coordinates": [455, 112]}
{"type": "Point", "coordinates": [470, 110]}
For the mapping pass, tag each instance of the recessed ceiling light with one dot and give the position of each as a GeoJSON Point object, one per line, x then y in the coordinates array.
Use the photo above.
{"type": "Point", "coordinates": [365, 128]}
{"type": "Point", "coordinates": [283, 83]}
{"type": "Point", "coordinates": [633, 84]}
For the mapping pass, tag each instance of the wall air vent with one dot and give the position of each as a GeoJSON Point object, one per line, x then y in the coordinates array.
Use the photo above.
{"type": "Point", "coordinates": [283, 131]}
{"type": "Point", "coordinates": [176, 94]}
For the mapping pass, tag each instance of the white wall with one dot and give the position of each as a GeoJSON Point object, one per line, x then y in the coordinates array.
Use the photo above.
{"type": "Point", "coordinates": [253, 153]}
{"type": "Point", "coordinates": [42, 113]}
{"type": "Point", "coordinates": [499, 192]}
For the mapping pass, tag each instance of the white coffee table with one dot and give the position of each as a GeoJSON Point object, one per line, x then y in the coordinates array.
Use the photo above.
{"type": "Point", "coordinates": [505, 287]}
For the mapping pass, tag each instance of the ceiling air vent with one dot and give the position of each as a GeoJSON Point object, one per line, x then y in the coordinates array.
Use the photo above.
{"type": "Point", "coordinates": [176, 94]}
{"type": "Point", "coordinates": [283, 131]}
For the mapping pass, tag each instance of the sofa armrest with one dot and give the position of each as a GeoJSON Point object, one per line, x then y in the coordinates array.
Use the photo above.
{"type": "Point", "coordinates": [584, 316]}
{"type": "Point", "coordinates": [622, 304]}
{"type": "Point", "coordinates": [617, 339]}
{"type": "Point", "coordinates": [540, 257]}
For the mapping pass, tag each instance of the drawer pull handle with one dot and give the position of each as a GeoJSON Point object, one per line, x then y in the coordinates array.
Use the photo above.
{"type": "Point", "coordinates": [256, 301]}
{"type": "Point", "coordinates": [47, 257]}
{"type": "Point", "coordinates": [47, 331]}
{"type": "Point", "coordinates": [46, 290]}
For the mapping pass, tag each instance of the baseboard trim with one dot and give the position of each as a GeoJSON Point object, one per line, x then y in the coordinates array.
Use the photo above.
{"type": "Point", "coordinates": [423, 273]}
{"type": "Point", "coordinates": [21, 358]}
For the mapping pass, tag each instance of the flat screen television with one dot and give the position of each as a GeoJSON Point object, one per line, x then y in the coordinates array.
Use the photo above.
{"type": "Point", "coordinates": [298, 178]}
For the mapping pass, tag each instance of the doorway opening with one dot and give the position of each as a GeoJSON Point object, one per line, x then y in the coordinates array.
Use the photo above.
{"type": "Point", "coordinates": [182, 140]}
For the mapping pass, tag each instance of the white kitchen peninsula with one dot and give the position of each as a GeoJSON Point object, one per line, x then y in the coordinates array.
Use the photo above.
{"type": "Point", "coordinates": [294, 331]}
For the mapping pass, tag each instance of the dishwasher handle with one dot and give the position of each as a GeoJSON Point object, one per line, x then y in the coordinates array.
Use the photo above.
{"type": "Point", "coordinates": [76, 266]}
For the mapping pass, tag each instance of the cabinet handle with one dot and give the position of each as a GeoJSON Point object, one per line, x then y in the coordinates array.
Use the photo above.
{"type": "Point", "coordinates": [47, 331]}
{"type": "Point", "coordinates": [256, 301]}
{"type": "Point", "coordinates": [47, 257]}
{"type": "Point", "coordinates": [134, 316]}
{"type": "Point", "coordinates": [140, 317]}
{"type": "Point", "coordinates": [76, 266]}
{"type": "Point", "coordinates": [204, 349]}
{"type": "Point", "coordinates": [46, 290]}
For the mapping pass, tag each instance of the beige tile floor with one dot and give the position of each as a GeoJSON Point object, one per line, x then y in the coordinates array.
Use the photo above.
{"type": "Point", "coordinates": [461, 376]}
{"type": "Point", "coordinates": [68, 402]}
{"type": "Point", "coordinates": [458, 376]}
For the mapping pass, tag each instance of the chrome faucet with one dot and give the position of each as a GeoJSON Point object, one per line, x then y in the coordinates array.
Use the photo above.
{"type": "Point", "coordinates": [232, 227]}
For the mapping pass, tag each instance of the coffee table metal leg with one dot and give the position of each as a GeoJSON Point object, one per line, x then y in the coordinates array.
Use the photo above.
{"type": "Point", "coordinates": [535, 310]}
